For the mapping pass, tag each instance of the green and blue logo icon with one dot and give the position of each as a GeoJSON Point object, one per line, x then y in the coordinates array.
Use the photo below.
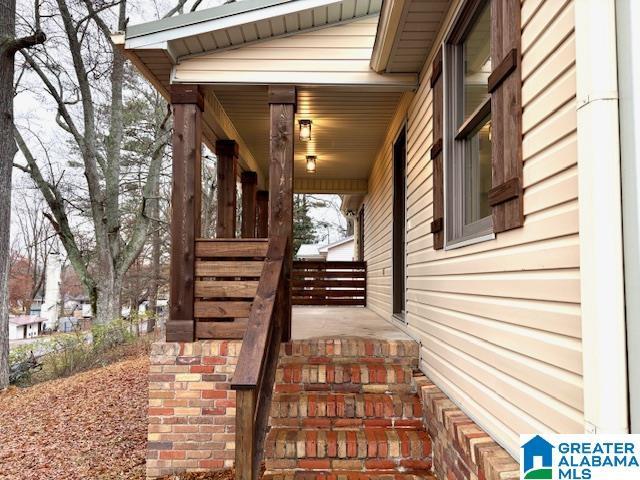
{"type": "Point", "coordinates": [537, 459]}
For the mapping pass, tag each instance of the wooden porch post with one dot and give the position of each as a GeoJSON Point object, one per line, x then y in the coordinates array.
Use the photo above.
{"type": "Point", "coordinates": [262, 214]}
{"type": "Point", "coordinates": [187, 104]}
{"type": "Point", "coordinates": [249, 182]}
{"type": "Point", "coordinates": [227, 173]}
{"type": "Point", "coordinates": [282, 101]}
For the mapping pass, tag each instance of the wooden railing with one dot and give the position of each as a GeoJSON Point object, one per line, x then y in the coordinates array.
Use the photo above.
{"type": "Point", "coordinates": [329, 283]}
{"type": "Point", "coordinates": [227, 273]}
{"type": "Point", "coordinates": [255, 372]}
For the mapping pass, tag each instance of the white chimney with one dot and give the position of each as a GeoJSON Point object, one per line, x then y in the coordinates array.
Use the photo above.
{"type": "Point", "coordinates": [51, 305]}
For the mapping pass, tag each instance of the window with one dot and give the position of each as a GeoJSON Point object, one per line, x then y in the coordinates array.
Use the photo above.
{"type": "Point", "coordinates": [468, 164]}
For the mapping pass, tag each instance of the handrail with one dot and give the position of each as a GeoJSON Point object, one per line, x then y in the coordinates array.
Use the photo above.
{"type": "Point", "coordinates": [255, 372]}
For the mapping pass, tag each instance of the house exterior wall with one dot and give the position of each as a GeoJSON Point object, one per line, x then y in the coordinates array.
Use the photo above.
{"type": "Point", "coordinates": [16, 332]}
{"type": "Point", "coordinates": [32, 330]}
{"type": "Point", "coordinates": [336, 54]}
{"type": "Point", "coordinates": [498, 321]}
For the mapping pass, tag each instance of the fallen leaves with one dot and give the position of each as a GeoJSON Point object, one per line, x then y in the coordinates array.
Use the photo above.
{"type": "Point", "coordinates": [226, 474]}
{"type": "Point", "coordinates": [92, 425]}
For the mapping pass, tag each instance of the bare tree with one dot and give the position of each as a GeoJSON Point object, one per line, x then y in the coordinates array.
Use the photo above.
{"type": "Point", "coordinates": [209, 202]}
{"type": "Point", "coordinates": [96, 126]}
{"type": "Point", "coordinates": [9, 46]}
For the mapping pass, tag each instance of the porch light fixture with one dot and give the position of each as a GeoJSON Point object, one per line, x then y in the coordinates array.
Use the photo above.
{"type": "Point", "coordinates": [305, 130]}
{"type": "Point", "coordinates": [311, 164]}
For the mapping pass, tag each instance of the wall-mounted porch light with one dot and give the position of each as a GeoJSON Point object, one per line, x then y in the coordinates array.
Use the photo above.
{"type": "Point", "coordinates": [311, 164]}
{"type": "Point", "coordinates": [305, 130]}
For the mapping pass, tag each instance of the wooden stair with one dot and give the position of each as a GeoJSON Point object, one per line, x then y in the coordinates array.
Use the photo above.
{"type": "Point", "coordinates": [346, 409]}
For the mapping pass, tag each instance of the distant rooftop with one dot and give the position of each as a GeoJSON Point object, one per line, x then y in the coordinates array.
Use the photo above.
{"type": "Point", "coordinates": [25, 320]}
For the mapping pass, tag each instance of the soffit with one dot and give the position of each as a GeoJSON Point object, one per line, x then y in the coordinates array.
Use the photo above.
{"type": "Point", "coordinates": [419, 25]}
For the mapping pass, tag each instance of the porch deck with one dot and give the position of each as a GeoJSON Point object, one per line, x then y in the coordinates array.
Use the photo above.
{"type": "Point", "coordinates": [313, 322]}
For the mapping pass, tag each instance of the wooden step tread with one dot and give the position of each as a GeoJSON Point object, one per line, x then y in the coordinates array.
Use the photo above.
{"type": "Point", "coordinates": [345, 406]}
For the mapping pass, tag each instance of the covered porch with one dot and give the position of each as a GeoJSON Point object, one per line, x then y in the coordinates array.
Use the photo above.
{"type": "Point", "coordinates": [286, 96]}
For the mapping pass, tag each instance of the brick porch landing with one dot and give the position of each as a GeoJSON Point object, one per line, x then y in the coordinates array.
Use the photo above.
{"type": "Point", "coordinates": [316, 322]}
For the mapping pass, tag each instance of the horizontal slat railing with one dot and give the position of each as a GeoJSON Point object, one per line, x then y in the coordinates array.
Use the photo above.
{"type": "Point", "coordinates": [227, 273]}
{"type": "Point", "coordinates": [255, 372]}
{"type": "Point", "coordinates": [329, 283]}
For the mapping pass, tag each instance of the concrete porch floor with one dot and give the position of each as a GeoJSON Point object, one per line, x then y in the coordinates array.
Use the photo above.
{"type": "Point", "coordinates": [314, 322]}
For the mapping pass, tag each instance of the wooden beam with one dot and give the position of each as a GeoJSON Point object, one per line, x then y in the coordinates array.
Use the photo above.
{"type": "Point", "coordinates": [249, 181]}
{"type": "Point", "coordinates": [282, 99]}
{"type": "Point", "coordinates": [227, 173]}
{"type": "Point", "coordinates": [245, 434]}
{"type": "Point", "coordinates": [336, 186]}
{"type": "Point", "coordinates": [262, 214]}
{"type": "Point", "coordinates": [185, 205]}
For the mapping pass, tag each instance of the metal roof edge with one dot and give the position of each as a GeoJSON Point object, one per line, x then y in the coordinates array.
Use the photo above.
{"type": "Point", "coordinates": [192, 18]}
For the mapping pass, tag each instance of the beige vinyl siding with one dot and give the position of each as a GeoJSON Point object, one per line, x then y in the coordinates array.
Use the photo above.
{"type": "Point", "coordinates": [337, 55]}
{"type": "Point", "coordinates": [498, 321]}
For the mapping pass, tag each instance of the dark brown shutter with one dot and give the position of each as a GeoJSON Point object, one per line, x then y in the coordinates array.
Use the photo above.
{"type": "Point", "coordinates": [437, 225]}
{"type": "Point", "coordinates": [505, 82]}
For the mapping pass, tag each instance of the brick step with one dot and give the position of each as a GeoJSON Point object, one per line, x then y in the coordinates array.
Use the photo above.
{"type": "Point", "coordinates": [353, 378]}
{"type": "Point", "coordinates": [344, 406]}
{"type": "Point", "coordinates": [358, 449]}
{"type": "Point", "coordinates": [350, 475]}
{"type": "Point", "coordinates": [350, 350]}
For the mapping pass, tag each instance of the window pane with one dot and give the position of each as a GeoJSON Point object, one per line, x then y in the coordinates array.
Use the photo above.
{"type": "Point", "coordinates": [477, 61]}
{"type": "Point", "coordinates": [477, 174]}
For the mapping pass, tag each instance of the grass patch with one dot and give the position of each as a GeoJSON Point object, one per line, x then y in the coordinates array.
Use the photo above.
{"type": "Point", "coordinates": [63, 355]}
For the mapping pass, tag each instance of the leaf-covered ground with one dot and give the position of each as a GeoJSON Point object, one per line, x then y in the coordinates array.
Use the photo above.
{"type": "Point", "coordinates": [92, 425]}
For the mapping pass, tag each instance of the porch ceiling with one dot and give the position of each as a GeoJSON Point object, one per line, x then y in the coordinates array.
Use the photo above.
{"type": "Point", "coordinates": [348, 128]}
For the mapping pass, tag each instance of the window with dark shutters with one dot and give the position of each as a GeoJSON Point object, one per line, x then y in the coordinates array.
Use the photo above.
{"type": "Point", "coordinates": [480, 62]}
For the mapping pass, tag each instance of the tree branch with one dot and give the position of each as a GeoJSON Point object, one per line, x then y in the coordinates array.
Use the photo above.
{"type": "Point", "coordinates": [59, 220]}
{"type": "Point", "coordinates": [142, 220]}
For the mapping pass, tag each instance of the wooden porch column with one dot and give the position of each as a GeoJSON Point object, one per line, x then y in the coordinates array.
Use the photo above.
{"type": "Point", "coordinates": [262, 214]}
{"type": "Point", "coordinates": [282, 102]}
{"type": "Point", "coordinates": [187, 104]}
{"type": "Point", "coordinates": [227, 174]}
{"type": "Point", "coordinates": [249, 182]}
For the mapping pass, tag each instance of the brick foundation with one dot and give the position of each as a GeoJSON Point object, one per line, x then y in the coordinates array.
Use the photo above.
{"type": "Point", "coordinates": [461, 449]}
{"type": "Point", "coordinates": [191, 408]}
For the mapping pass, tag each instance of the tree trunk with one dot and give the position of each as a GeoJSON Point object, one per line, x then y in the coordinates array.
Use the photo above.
{"type": "Point", "coordinates": [109, 301]}
{"type": "Point", "coordinates": [7, 152]}
{"type": "Point", "coordinates": [155, 261]}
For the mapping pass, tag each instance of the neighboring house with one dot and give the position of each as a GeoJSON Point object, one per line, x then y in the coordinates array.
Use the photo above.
{"type": "Point", "coordinates": [25, 327]}
{"type": "Point", "coordinates": [484, 142]}
{"type": "Point", "coordinates": [342, 250]}
{"type": "Point", "coordinates": [310, 251]}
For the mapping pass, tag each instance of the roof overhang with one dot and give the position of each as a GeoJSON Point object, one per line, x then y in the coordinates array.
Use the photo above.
{"type": "Point", "coordinates": [240, 23]}
{"type": "Point", "coordinates": [407, 31]}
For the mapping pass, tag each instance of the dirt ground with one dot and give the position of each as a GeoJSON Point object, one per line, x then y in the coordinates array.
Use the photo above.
{"type": "Point", "coordinates": [92, 425]}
